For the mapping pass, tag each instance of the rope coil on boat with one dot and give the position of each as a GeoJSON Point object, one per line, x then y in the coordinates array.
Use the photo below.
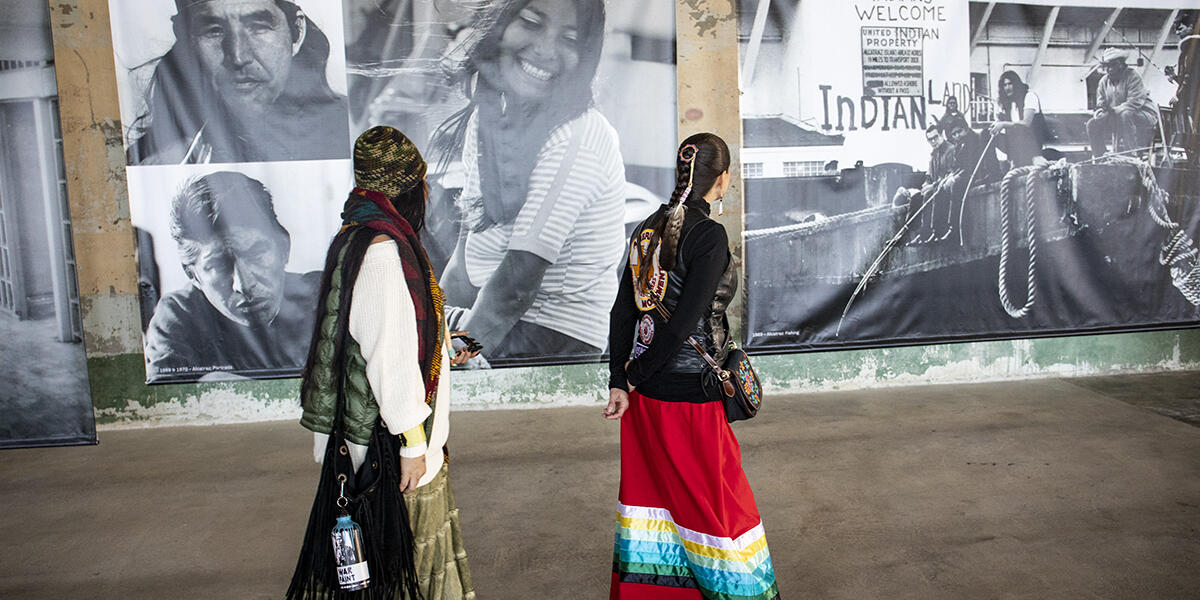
{"type": "Point", "coordinates": [1181, 256]}
{"type": "Point", "coordinates": [1179, 252]}
{"type": "Point", "coordinates": [1030, 176]}
{"type": "Point", "coordinates": [1159, 199]}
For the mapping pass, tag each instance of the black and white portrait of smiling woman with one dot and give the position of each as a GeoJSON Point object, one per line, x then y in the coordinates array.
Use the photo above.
{"type": "Point", "coordinates": [546, 123]}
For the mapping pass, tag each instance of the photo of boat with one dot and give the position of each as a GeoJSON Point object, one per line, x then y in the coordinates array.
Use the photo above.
{"type": "Point", "coordinates": [1077, 217]}
{"type": "Point", "coordinates": [1090, 231]}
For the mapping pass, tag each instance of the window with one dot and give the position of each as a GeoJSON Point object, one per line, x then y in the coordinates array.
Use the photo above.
{"type": "Point", "coordinates": [804, 168]}
{"type": "Point", "coordinates": [751, 170]}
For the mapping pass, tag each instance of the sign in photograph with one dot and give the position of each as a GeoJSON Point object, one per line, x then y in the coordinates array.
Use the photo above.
{"type": "Point", "coordinates": [893, 63]}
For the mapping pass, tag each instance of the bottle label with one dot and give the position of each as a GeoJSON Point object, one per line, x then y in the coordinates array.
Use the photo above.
{"type": "Point", "coordinates": [354, 574]}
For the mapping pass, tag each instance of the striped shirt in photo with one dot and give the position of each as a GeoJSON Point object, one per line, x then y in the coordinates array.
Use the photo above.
{"type": "Point", "coordinates": [573, 217]}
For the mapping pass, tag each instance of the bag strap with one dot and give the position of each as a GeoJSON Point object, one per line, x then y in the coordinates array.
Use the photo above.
{"type": "Point", "coordinates": [343, 464]}
{"type": "Point", "coordinates": [722, 373]}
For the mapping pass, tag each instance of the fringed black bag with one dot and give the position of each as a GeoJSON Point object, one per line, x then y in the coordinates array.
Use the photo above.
{"type": "Point", "coordinates": [375, 500]}
{"type": "Point", "coordinates": [377, 505]}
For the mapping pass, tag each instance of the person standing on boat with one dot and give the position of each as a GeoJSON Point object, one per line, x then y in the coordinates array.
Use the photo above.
{"type": "Point", "coordinates": [687, 524]}
{"type": "Point", "coordinates": [940, 159]}
{"type": "Point", "coordinates": [967, 164]}
{"type": "Point", "coordinates": [1124, 108]}
{"type": "Point", "coordinates": [1186, 75]}
{"type": "Point", "coordinates": [1020, 127]}
{"type": "Point", "coordinates": [952, 111]}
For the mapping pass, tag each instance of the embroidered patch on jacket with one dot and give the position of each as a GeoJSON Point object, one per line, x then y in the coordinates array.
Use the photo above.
{"type": "Point", "coordinates": [656, 285]}
{"type": "Point", "coordinates": [645, 335]}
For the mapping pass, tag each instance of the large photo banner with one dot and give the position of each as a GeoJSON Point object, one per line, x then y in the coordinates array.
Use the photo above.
{"type": "Point", "coordinates": [548, 126]}
{"type": "Point", "coordinates": [229, 264]}
{"type": "Point", "coordinates": [941, 170]}
{"type": "Point", "coordinates": [45, 397]}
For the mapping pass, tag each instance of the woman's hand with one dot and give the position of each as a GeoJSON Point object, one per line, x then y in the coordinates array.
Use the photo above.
{"type": "Point", "coordinates": [411, 471]}
{"type": "Point", "coordinates": [618, 402]}
{"type": "Point", "coordinates": [463, 354]}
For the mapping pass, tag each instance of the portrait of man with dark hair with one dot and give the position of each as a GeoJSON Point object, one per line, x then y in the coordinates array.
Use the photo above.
{"type": "Point", "coordinates": [242, 313]}
{"type": "Point", "coordinates": [244, 81]}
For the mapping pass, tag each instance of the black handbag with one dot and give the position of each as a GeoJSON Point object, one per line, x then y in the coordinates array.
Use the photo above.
{"type": "Point", "coordinates": [375, 502]}
{"type": "Point", "coordinates": [735, 382]}
{"type": "Point", "coordinates": [373, 499]}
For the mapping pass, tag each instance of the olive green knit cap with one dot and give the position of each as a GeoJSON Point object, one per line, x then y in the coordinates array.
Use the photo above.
{"type": "Point", "coordinates": [387, 162]}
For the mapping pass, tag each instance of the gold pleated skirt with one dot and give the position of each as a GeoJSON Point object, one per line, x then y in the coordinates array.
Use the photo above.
{"type": "Point", "coordinates": [441, 558]}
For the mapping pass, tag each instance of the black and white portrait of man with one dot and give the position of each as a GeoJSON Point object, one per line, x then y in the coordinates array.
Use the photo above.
{"type": "Point", "coordinates": [241, 81]}
{"type": "Point", "coordinates": [238, 287]}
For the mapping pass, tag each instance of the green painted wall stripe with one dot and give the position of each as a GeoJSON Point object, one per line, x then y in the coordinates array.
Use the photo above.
{"type": "Point", "coordinates": [123, 399]}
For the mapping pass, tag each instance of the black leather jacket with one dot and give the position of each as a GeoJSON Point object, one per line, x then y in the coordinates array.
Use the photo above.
{"type": "Point", "coordinates": [712, 328]}
{"type": "Point", "coordinates": [669, 366]}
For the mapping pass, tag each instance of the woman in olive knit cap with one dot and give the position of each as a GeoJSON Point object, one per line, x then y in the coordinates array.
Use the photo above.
{"type": "Point", "coordinates": [378, 373]}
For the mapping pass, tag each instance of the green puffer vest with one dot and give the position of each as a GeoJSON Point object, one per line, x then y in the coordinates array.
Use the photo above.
{"type": "Point", "coordinates": [318, 396]}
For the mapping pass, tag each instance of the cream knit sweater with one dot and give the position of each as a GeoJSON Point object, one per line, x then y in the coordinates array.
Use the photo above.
{"type": "Point", "coordinates": [384, 323]}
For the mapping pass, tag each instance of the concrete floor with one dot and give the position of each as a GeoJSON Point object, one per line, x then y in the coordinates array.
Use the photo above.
{"type": "Point", "coordinates": [44, 394]}
{"type": "Point", "coordinates": [1053, 488]}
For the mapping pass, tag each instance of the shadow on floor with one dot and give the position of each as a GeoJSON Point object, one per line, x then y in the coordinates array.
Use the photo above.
{"type": "Point", "coordinates": [1176, 395]}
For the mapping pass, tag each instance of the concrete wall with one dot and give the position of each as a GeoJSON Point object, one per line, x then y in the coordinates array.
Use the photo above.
{"type": "Point", "coordinates": [708, 100]}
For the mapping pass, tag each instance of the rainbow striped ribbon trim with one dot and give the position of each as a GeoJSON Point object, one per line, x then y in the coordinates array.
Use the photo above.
{"type": "Point", "coordinates": [650, 548]}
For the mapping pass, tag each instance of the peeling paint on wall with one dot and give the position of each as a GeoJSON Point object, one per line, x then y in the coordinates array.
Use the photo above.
{"type": "Point", "coordinates": [114, 328]}
{"type": "Point", "coordinates": [123, 403]}
{"type": "Point", "coordinates": [980, 361]}
{"type": "Point", "coordinates": [705, 16]}
{"type": "Point", "coordinates": [216, 406]}
{"type": "Point", "coordinates": [66, 15]}
{"type": "Point", "coordinates": [123, 400]}
{"type": "Point", "coordinates": [94, 158]}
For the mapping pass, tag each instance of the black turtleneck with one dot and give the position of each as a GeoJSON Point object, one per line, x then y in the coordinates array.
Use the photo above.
{"type": "Point", "coordinates": [705, 251]}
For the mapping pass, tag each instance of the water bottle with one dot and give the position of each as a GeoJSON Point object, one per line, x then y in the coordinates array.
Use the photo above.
{"type": "Point", "coordinates": [350, 555]}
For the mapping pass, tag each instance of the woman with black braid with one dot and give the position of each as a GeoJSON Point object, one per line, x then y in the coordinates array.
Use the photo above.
{"type": "Point", "coordinates": [687, 524]}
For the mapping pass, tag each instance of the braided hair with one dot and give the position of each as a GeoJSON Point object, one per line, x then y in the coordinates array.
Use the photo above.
{"type": "Point", "coordinates": [702, 158]}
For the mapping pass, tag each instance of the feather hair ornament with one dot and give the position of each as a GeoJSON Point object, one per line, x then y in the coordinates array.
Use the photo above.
{"type": "Point", "coordinates": [674, 220]}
